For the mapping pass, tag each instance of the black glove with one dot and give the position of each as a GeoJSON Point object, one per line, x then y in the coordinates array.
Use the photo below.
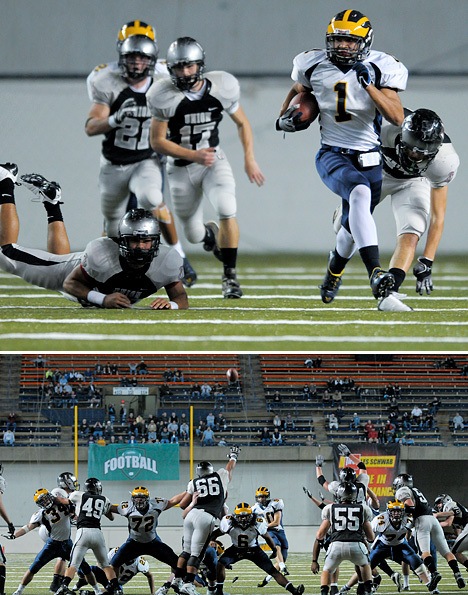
{"type": "Point", "coordinates": [423, 273]}
{"type": "Point", "coordinates": [363, 74]}
{"type": "Point", "coordinates": [11, 529]}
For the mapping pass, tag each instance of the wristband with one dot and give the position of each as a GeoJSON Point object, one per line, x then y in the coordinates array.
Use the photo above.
{"type": "Point", "coordinates": [174, 306]}
{"type": "Point", "coordinates": [427, 261]}
{"type": "Point", "coordinates": [314, 561]}
{"type": "Point", "coordinates": [361, 465]}
{"type": "Point", "coordinates": [96, 297]}
{"type": "Point", "coordinates": [321, 480]}
{"type": "Point", "coordinates": [111, 121]}
{"type": "Point", "coordinates": [26, 529]}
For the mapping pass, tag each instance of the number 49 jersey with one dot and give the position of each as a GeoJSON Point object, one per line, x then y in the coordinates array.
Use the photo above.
{"type": "Point", "coordinates": [244, 538]}
{"type": "Point", "coordinates": [89, 509]}
{"type": "Point", "coordinates": [347, 520]}
{"type": "Point", "coordinates": [142, 527]}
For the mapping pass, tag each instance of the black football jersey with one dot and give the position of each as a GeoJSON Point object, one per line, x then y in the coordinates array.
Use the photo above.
{"type": "Point", "coordinates": [211, 493]}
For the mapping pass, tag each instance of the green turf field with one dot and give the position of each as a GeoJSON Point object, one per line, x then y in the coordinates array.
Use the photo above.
{"type": "Point", "coordinates": [281, 311]}
{"type": "Point", "coordinates": [246, 584]}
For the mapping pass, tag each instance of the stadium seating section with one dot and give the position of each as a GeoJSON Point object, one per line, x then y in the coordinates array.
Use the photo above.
{"type": "Point", "coordinates": [250, 404]}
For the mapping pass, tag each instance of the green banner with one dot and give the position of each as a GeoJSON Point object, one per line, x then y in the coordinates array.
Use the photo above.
{"type": "Point", "coordinates": [134, 462]}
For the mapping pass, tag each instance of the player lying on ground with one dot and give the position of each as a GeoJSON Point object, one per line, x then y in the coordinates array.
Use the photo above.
{"type": "Point", "coordinates": [110, 273]}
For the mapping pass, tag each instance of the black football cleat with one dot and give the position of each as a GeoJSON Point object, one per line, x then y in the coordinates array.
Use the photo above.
{"type": "Point", "coordinates": [381, 282]}
{"type": "Point", "coordinates": [231, 287]}
{"type": "Point", "coordinates": [331, 283]}
{"type": "Point", "coordinates": [8, 170]}
{"type": "Point", "coordinates": [460, 580]}
{"type": "Point", "coordinates": [210, 241]}
{"type": "Point", "coordinates": [435, 580]}
{"type": "Point", "coordinates": [190, 275]}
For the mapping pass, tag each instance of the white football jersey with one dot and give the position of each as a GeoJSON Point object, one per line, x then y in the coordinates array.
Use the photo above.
{"type": "Point", "coordinates": [348, 116]}
{"type": "Point", "coordinates": [386, 532]}
{"type": "Point", "coordinates": [243, 538]}
{"type": "Point", "coordinates": [269, 511]}
{"type": "Point", "coordinates": [142, 527]}
{"type": "Point", "coordinates": [130, 569]}
{"type": "Point", "coordinates": [56, 521]}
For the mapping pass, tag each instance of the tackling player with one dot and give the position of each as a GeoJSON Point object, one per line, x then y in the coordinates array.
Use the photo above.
{"type": "Point", "coordinates": [355, 88]}
{"type": "Point", "coordinates": [119, 112]}
{"type": "Point", "coordinates": [187, 109]}
{"type": "Point", "coordinates": [453, 513]}
{"type": "Point", "coordinates": [346, 474]}
{"type": "Point", "coordinates": [11, 531]}
{"type": "Point", "coordinates": [108, 274]}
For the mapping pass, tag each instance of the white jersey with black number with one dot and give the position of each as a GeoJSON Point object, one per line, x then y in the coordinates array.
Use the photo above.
{"type": "Point", "coordinates": [89, 509]}
{"type": "Point", "coordinates": [129, 569]}
{"type": "Point", "coordinates": [193, 117]}
{"type": "Point", "coordinates": [56, 521]}
{"type": "Point", "coordinates": [348, 116]}
{"type": "Point", "coordinates": [244, 538]}
{"type": "Point", "coordinates": [129, 142]}
{"type": "Point", "coordinates": [269, 511]}
{"type": "Point", "coordinates": [142, 526]}
{"type": "Point", "coordinates": [386, 532]}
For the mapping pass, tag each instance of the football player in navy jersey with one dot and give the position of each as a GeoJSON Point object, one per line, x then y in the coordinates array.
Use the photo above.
{"type": "Point", "coordinates": [355, 88]}
{"type": "Point", "coordinates": [110, 273]}
{"type": "Point", "coordinates": [419, 162]}
{"type": "Point", "coordinates": [119, 112]}
{"type": "Point", "coordinates": [187, 109]}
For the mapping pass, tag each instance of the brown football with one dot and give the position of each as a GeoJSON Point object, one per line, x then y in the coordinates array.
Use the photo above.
{"type": "Point", "coordinates": [307, 105]}
{"type": "Point", "coordinates": [232, 375]}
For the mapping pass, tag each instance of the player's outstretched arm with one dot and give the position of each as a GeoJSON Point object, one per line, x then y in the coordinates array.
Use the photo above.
{"type": "Point", "coordinates": [77, 285]}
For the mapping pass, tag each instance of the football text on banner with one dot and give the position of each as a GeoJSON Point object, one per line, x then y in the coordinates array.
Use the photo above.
{"type": "Point", "coordinates": [382, 463]}
{"type": "Point", "coordinates": [119, 462]}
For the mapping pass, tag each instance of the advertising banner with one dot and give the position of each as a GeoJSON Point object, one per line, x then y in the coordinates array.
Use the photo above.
{"type": "Point", "coordinates": [134, 462]}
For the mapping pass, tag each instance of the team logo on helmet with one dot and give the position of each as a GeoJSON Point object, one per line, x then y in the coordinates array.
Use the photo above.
{"type": "Point", "coordinates": [68, 481]}
{"type": "Point", "coordinates": [403, 479]}
{"type": "Point", "coordinates": [422, 134]}
{"type": "Point", "coordinates": [135, 28]}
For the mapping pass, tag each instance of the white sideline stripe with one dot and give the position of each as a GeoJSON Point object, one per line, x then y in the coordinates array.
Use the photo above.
{"type": "Point", "coordinates": [217, 321]}
{"type": "Point", "coordinates": [240, 338]}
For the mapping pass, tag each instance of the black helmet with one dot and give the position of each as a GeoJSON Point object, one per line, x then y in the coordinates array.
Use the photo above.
{"type": "Point", "coordinates": [348, 474]}
{"type": "Point", "coordinates": [346, 492]}
{"type": "Point", "coordinates": [204, 468]}
{"type": "Point", "coordinates": [422, 134]}
{"type": "Point", "coordinates": [93, 486]}
{"type": "Point", "coordinates": [139, 224]}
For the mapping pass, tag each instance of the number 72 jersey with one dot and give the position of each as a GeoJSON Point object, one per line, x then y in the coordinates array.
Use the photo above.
{"type": "Point", "coordinates": [348, 116]}
{"type": "Point", "coordinates": [347, 520]}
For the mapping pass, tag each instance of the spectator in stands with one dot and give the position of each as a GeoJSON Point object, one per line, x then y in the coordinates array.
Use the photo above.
{"type": "Point", "coordinates": [208, 437]}
{"type": "Point", "coordinates": [333, 422]}
{"type": "Point", "coordinates": [142, 368]}
{"type": "Point", "coordinates": [308, 363]}
{"type": "Point", "coordinates": [367, 427]}
{"type": "Point", "coordinates": [152, 429]}
{"type": "Point", "coordinates": [72, 398]}
{"type": "Point", "coordinates": [306, 392]}
{"type": "Point", "coordinates": [277, 397]}
{"type": "Point", "coordinates": [200, 428]}
{"type": "Point", "coordinates": [111, 413]}
{"type": "Point", "coordinates": [84, 428]}
{"type": "Point", "coordinates": [289, 423]}
{"type": "Point", "coordinates": [165, 390]}
{"type": "Point", "coordinates": [428, 422]}
{"type": "Point", "coordinates": [11, 421]}
{"type": "Point", "coordinates": [458, 422]}
{"type": "Point", "coordinates": [132, 439]}
{"type": "Point", "coordinates": [163, 419]}
{"type": "Point", "coordinates": [178, 376]}
{"type": "Point", "coordinates": [184, 431]}
{"type": "Point", "coordinates": [140, 426]}
{"type": "Point", "coordinates": [173, 438]}
{"type": "Point", "coordinates": [310, 440]}
{"type": "Point", "coordinates": [95, 400]}
{"type": "Point", "coordinates": [393, 404]}
{"type": "Point", "coordinates": [393, 417]}
{"type": "Point", "coordinates": [434, 406]}
{"type": "Point", "coordinates": [173, 425]}
{"type": "Point", "coordinates": [98, 429]}
{"type": "Point", "coordinates": [88, 375]}
{"type": "Point", "coordinates": [464, 370]}
{"type": "Point", "coordinates": [174, 417]}
{"type": "Point", "coordinates": [108, 430]}
{"type": "Point", "coordinates": [220, 423]}
{"type": "Point", "coordinates": [355, 422]}
{"type": "Point", "coordinates": [389, 431]}
{"type": "Point", "coordinates": [373, 435]}
{"type": "Point", "coordinates": [416, 416]}
{"type": "Point", "coordinates": [408, 440]}
{"type": "Point", "coordinates": [276, 438]}
{"type": "Point", "coordinates": [206, 390]}
{"type": "Point", "coordinates": [195, 390]}
{"type": "Point", "coordinates": [101, 441]}
{"type": "Point", "coordinates": [265, 436]}
{"type": "Point", "coordinates": [123, 413]}
{"type": "Point", "coordinates": [277, 422]}
{"type": "Point", "coordinates": [326, 398]}
{"type": "Point", "coordinates": [39, 361]}
{"type": "Point", "coordinates": [337, 399]}
{"type": "Point", "coordinates": [132, 368]}
{"type": "Point", "coordinates": [406, 421]}
{"type": "Point", "coordinates": [164, 435]}
{"type": "Point", "coordinates": [219, 397]}
{"type": "Point", "coordinates": [210, 420]}
{"type": "Point", "coordinates": [9, 438]}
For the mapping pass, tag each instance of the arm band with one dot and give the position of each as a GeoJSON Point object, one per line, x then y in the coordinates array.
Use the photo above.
{"type": "Point", "coordinates": [322, 505]}
{"type": "Point", "coordinates": [96, 297]}
{"type": "Point", "coordinates": [322, 480]}
{"type": "Point", "coordinates": [409, 509]}
{"type": "Point", "coordinates": [111, 121]}
{"type": "Point", "coordinates": [361, 466]}
{"type": "Point", "coordinates": [26, 529]}
{"type": "Point", "coordinates": [174, 306]}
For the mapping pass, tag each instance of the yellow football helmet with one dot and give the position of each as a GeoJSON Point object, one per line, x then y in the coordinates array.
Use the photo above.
{"type": "Point", "coordinates": [396, 510]}
{"type": "Point", "coordinates": [43, 498]}
{"type": "Point", "coordinates": [243, 515]}
{"type": "Point", "coordinates": [262, 495]}
{"type": "Point", "coordinates": [135, 28]}
{"type": "Point", "coordinates": [349, 25]}
{"type": "Point", "coordinates": [140, 497]}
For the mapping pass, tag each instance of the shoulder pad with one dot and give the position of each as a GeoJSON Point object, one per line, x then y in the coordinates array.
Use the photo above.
{"type": "Point", "coordinates": [163, 94]}
{"type": "Point", "coordinates": [224, 86]}
{"type": "Point", "coordinates": [100, 67]}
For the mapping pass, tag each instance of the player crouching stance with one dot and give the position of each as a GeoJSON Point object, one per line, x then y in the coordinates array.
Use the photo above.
{"type": "Point", "coordinates": [110, 273]}
{"type": "Point", "coordinates": [244, 528]}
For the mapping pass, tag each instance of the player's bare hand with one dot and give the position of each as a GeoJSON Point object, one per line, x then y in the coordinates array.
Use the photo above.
{"type": "Point", "coordinates": [315, 567]}
{"type": "Point", "coordinates": [117, 301]}
{"type": "Point", "coordinates": [205, 157]}
{"type": "Point", "coordinates": [160, 304]}
{"type": "Point", "coordinates": [254, 173]}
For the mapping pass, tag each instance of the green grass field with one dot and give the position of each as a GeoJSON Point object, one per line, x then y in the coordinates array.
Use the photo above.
{"type": "Point", "coordinates": [281, 311]}
{"type": "Point", "coordinates": [246, 584]}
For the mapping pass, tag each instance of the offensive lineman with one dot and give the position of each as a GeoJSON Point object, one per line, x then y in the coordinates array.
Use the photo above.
{"type": "Point", "coordinates": [454, 513]}
{"type": "Point", "coordinates": [426, 528]}
{"type": "Point", "coordinates": [355, 88]}
{"type": "Point", "coordinates": [244, 527]}
{"type": "Point", "coordinates": [108, 274]}
{"type": "Point", "coordinates": [187, 110]}
{"type": "Point", "coordinates": [128, 164]}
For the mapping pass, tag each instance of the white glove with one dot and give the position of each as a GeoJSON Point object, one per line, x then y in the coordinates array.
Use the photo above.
{"type": "Point", "coordinates": [289, 122]}
{"type": "Point", "coordinates": [129, 108]}
{"type": "Point", "coordinates": [319, 460]}
{"type": "Point", "coordinates": [234, 453]}
{"type": "Point", "coordinates": [343, 450]}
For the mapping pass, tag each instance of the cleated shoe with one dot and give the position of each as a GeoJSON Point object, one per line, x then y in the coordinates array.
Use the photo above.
{"type": "Point", "coordinates": [381, 282]}
{"type": "Point", "coordinates": [264, 583]}
{"type": "Point", "coordinates": [8, 170]}
{"type": "Point", "coordinates": [330, 284]}
{"type": "Point", "coordinates": [210, 242]}
{"type": "Point", "coordinates": [177, 584]}
{"type": "Point", "coordinates": [44, 190]}
{"type": "Point", "coordinates": [285, 571]}
{"type": "Point", "coordinates": [397, 579]}
{"type": "Point", "coordinates": [79, 585]}
{"type": "Point", "coordinates": [435, 580]}
{"type": "Point", "coordinates": [376, 582]}
{"type": "Point", "coordinates": [392, 303]}
{"type": "Point", "coordinates": [164, 590]}
{"type": "Point", "coordinates": [190, 276]}
{"type": "Point", "coordinates": [344, 589]}
{"type": "Point", "coordinates": [299, 590]}
{"type": "Point", "coordinates": [460, 581]}
{"type": "Point", "coordinates": [333, 589]}
{"type": "Point", "coordinates": [64, 590]}
{"type": "Point", "coordinates": [231, 287]}
{"type": "Point", "coordinates": [188, 589]}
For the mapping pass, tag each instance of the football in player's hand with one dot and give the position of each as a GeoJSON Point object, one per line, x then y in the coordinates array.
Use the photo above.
{"type": "Point", "coordinates": [307, 105]}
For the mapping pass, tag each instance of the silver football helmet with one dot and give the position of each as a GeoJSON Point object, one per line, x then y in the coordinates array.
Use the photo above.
{"type": "Point", "coordinates": [139, 224]}
{"type": "Point", "coordinates": [185, 51]}
{"type": "Point", "coordinates": [403, 479]}
{"type": "Point", "coordinates": [422, 134]}
{"type": "Point", "coordinates": [67, 481]}
{"type": "Point", "coordinates": [133, 47]}
{"type": "Point", "coordinates": [204, 468]}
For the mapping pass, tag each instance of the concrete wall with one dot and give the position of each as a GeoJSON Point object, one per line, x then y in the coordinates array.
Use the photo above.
{"type": "Point", "coordinates": [283, 470]}
{"type": "Point", "coordinates": [42, 130]}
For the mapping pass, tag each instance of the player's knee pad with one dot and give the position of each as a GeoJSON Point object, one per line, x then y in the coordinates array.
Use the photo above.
{"type": "Point", "coordinates": [163, 214]}
{"type": "Point", "coordinates": [184, 555]}
{"type": "Point", "coordinates": [421, 569]}
{"type": "Point", "coordinates": [193, 561]}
